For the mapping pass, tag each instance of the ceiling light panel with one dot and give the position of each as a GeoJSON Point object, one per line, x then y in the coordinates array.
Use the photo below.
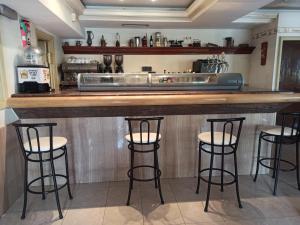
{"type": "Point", "coordinates": [140, 3]}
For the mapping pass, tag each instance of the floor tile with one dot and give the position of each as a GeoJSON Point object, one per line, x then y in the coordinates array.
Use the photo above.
{"type": "Point", "coordinates": [123, 215]}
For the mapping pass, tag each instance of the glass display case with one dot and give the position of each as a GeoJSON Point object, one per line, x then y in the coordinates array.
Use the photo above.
{"type": "Point", "coordinates": [150, 81]}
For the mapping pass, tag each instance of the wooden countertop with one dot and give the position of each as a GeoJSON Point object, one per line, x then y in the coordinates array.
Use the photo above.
{"type": "Point", "coordinates": [71, 103]}
{"type": "Point", "coordinates": [92, 99]}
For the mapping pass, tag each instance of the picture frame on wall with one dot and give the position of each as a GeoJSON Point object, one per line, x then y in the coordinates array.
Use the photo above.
{"type": "Point", "coordinates": [264, 53]}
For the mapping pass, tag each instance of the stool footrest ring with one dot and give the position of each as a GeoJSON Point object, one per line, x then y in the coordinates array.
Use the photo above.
{"type": "Point", "coordinates": [281, 160]}
{"type": "Point", "coordinates": [226, 172]}
{"type": "Point", "coordinates": [48, 191]}
{"type": "Point", "coordinates": [158, 173]}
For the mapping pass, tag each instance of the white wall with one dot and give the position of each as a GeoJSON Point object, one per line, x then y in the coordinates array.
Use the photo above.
{"type": "Point", "coordinates": [262, 76]}
{"type": "Point", "coordinates": [172, 63]}
{"type": "Point", "coordinates": [12, 50]}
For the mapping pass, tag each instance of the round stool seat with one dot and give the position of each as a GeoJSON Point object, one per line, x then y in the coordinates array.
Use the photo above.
{"type": "Point", "coordinates": [137, 138]}
{"type": "Point", "coordinates": [276, 131]}
{"type": "Point", "coordinates": [58, 142]}
{"type": "Point", "coordinates": [218, 138]}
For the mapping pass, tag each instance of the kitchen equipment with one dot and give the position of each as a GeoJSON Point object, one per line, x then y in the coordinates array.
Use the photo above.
{"type": "Point", "coordinates": [119, 63]}
{"type": "Point", "coordinates": [90, 37]}
{"type": "Point", "coordinates": [107, 60]}
{"type": "Point", "coordinates": [149, 81]}
{"type": "Point", "coordinates": [33, 78]}
{"type": "Point", "coordinates": [215, 64]}
{"type": "Point", "coordinates": [70, 71]}
{"type": "Point", "coordinates": [137, 41]}
{"type": "Point", "coordinates": [33, 75]}
{"type": "Point", "coordinates": [229, 42]}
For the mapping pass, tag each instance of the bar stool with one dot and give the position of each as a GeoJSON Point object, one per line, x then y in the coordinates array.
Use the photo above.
{"type": "Point", "coordinates": [286, 134]}
{"type": "Point", "coordinates": [40, 150]}
{"type": "Point", "coordinates": [209, 141]}
{"type": "Point", "coordinates": [140, 139]}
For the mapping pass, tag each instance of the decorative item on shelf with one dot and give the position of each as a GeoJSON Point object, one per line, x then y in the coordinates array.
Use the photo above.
{"type": "Point", "coordinates": [212, 45]}
{"type": "Point", "coordinates": [78, 43]}
{"type": "Point", "coordinates": [131, 43]}
{"type": "Point", "coordinates": [157, 39]}
{"type": "Point", "coordinates": [196, 43]}
{"type": "Point", "coordinates": [243, 46]}
{"type": "Point", "coordinates": [107, 60]}
{"type": "Point", "coordinates": [102, 42]}
{"type": "Point", "coordinates": [25, 32]}
{"type": "Point", "coordinates": [119, 63]}
{"type": "Point", "coordinates": [90, 37]}
{"type": "Point", "coordinates": [151, 42]}
{"type": "Point", "coordinates": [145, 41]}
{"type": "Point", "coordinates": [175, 43]}
{"type": "Point", "coordinates": [137, 41]}
{"type": "Point", "coordinates": [264, 53]}
{"type": "Point", "coordinates": [117, 40]}
{"type": "Point", "coordinates": [229, 42]}
{"type": "Point", "coordinates": [188, 41]}
{"type": "Point", "coordinates": [165, 42]}
{"type": "Point", "coordinates": [66, 43]}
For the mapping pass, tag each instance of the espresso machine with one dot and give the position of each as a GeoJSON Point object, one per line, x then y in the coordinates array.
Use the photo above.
{"type": "Point", "coordinates": [107, 60]}
{"type": "Point", "coordinates": [119, 64]}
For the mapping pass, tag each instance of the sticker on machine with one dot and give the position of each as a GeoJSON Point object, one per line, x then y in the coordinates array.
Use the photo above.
{"type": "Point", "coordinates": [39, 75]}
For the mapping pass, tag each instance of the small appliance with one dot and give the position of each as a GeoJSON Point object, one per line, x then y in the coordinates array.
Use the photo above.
{"type": "Point", "coordinates": [107, 60]}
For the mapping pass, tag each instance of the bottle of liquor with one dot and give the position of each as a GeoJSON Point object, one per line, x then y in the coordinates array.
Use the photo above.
{"type": "Point", "coordinates": [151, 41]}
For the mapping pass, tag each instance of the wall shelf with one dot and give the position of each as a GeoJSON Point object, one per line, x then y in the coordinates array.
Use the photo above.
{"type": "Point", "coordinates": [156, 50]}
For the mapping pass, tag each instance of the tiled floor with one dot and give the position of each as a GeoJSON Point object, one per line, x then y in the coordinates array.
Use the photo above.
{"type": "Point", "coordinates": [104, 204]}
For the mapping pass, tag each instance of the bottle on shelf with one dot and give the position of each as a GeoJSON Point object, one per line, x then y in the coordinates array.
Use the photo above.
{"type": "Point", "coordinates": [151, 41]}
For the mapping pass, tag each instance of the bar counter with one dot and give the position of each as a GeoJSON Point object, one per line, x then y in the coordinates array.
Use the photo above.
{"type": "Point", "coordinates": [98, 150]}
{"type": "Point", "coordinates": [72, 103]}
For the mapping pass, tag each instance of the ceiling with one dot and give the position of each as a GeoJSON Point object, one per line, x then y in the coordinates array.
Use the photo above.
{"type": "Point", "coordinates": [192, 14]}
{"type": "Point", "coordinates": [139, 3]}
{"type": "Point", "coordinates": [284, 4]}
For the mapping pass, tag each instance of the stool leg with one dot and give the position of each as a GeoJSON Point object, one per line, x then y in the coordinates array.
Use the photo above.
{"type": "Point", "coordinates": [25, 189]}
{"type": "Point", "coordinates": [55, 186]}
{"type": "Point", "coordinates": [258, 157]}
{"type": "Point", "coordinates": [275, 157]}
{"type": "Point", "coordinates": [42, 176]}
{"type": "Point", "coordinates": [131, 176]}
{"type": "Point", "coordinates": [155, 172]}
{"type": "Point", "coordinates": [297, 164]}
{"type": "Point", "coordinates": [277, 170]}
{"type": "Point", "coordinates": [209, 182]}
{"type": "Point", "coordinates": [222, 170]}
{"type": "Point", "coordinates": [237, 180]}
{"type": "Point", "coordinates": [158, 177]}
{"type": "Point", "coordinates": [67, 172]}
{"type": "Point", "coordinates": [199, 168]}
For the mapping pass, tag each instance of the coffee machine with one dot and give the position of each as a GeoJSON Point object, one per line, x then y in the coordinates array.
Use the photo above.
{"type": "Point", "coordinates": [119, 64]}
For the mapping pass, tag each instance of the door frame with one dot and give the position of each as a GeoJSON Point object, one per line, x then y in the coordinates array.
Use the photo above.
{"type": "Point", "coordinates": [280, 41]}
{"type": "Point", "coordinates": [50, 39]}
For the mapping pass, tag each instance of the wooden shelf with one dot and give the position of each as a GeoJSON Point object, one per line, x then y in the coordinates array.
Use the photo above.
{"type": "Point", "coordinates": [155, 50]}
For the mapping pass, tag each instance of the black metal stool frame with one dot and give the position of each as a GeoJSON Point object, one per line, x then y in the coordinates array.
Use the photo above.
{"type": "Point", "coordinates": [131, 147]}
{"type": "Point", "coordinates": [280, 140]}
{"type": "Point", "coordinates": [226, 122]}
{"type": "Point", "coordinates": [27, 156]}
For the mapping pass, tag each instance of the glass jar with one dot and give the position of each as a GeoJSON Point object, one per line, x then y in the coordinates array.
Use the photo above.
{"type": "Point", "coordinates": [32, 56]}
